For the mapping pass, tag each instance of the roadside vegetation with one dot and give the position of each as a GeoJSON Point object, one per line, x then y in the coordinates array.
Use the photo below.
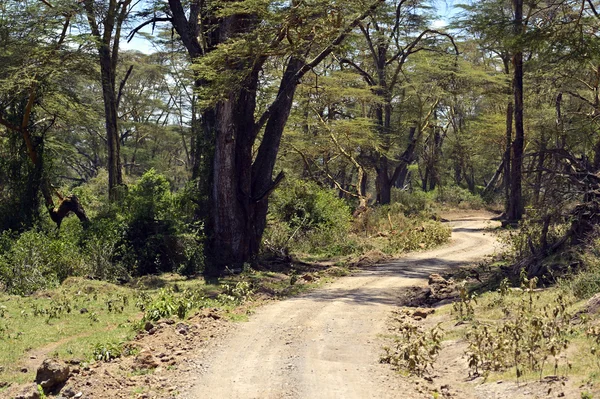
{"type": "Point", "coordinates": [83, 293]}
{"type": "Point", "coordinates": [508, 327]}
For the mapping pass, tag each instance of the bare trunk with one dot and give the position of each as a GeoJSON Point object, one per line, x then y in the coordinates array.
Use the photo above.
{"type": "Point", "coordinates": [508, 155]}
{"type": "Point", "coordinates": [115, 176]}
{"type": "Point", "coordinates": [516, 208]}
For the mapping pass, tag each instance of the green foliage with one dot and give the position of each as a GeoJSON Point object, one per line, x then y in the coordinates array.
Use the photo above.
{"type": "Point", "coordinates": [306, 217]}
{"type": "Point", "coordinates": [399, 232]}
{"type": "Point", "coordinates": [585, 282]}
{"type": "Point", "coordinates": [110, 351]}
{"type": "Point", "coordinates": [37, 260]}
{"type": "Point", "coordinates": [168, 302]}
{"type": "Point", "coordinates": [458, 197]}
{"type": "Point", "coordinates": [464, 306]}
{"type": "Point", "coordinates": [153, 239]}
{"type": "Point", "coordinates": [414, 350]}
{"type": "Point", "coordinates": [413, 203]}
{"type": "Point", "coordinates": [530, 335]}
{"type": "Point", "coordinates": [237, 293]}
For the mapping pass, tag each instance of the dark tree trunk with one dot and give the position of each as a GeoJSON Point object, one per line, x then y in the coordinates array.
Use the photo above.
{"type": "Point", "coordinates": [383, 184]}
{"type": "Point", "coordinates": [115, 176]}
{"type": "Point", "coordinates": [107, 43]}
{"type": "Point", "coordinates": [516, 208]}
{"type": "Point", "coordinates": [240, 188]}
{"type": "Point", "coordinates": [508, 155]}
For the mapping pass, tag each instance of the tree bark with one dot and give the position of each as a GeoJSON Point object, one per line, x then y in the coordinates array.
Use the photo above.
{"type": "Point", "coordinates": [107, 43]}
{"type": "Point", "coordinates": [240, 188]}
{"type": "Point", "coordinates": [515, 209]}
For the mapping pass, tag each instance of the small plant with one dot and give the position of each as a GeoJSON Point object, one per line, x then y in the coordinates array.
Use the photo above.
{"type": "Point", "coordinates": [414, 350]}
{"type": "Point", "coordinates": [593, 333]}
{"type": "Point", "coordinates": [93, 316]}
{"type": "Point", "coordinates": [527, 339]}
{"type": "Point", "coordinates": [237, 294]}
{"type": "Point", "coordinates": [109, 351]}
{"type": "Point", "coordinates": [464, 306]}
{"type": "Point", "coordinates": [169, 303]}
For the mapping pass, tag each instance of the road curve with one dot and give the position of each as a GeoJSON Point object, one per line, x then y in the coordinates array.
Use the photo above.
{"type": "Point", "coordinates": [324, 344]}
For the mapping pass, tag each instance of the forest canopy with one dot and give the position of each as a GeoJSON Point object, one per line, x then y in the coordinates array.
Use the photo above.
{"type": "Point", "coordinates": [254, 126]}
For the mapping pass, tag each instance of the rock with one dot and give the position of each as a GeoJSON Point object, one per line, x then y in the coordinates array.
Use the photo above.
{"type": "Point", "coordinates": [436, 279]}
{"type": "Point", "coordinates": [51, 374]}
{"type": "Point", "coordinates": [148, 326]}
{"type": "Point", "coordinates": [145, 361]}
{"type": "Point", "coordinates": [24, 370]}
{"type": "Point", "coordinates": [83, 310]}
{"type": "Point", "coordinates": [593, 304]}
{"type": "Point", "coordinates": [68, 392]}
{"type": "Point", "coordinates": [182, 329]}
{"type": "Point", "coordinates": [29, 392]}
{"type": "Point", "coordinates": [422, 313]}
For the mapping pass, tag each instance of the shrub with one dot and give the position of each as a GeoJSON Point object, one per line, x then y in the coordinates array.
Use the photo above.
{"type": "Point", "coordinates": [306, 217]}
{"type": "Point", "coordinates": [413, 203]}
{"type": "Point", "coordinates": [154, 239]}
{"type": "Point", "coordinates": [37, 260]}
{"type": "Point", "coordinates": [458, 197]}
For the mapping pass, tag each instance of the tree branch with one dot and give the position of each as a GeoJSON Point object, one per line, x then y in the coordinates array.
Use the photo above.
{"type": "Point", "coordinates": [122, 85]}
{"type": "Point", "coordinates": [314, 62]}
{"type": "Point", "coordinates": [141, 26]}
{"type": "Point", "coordinates": [368, 78]}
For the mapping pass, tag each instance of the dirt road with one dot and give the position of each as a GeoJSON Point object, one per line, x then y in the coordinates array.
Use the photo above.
{"type": "Point", "coordinates": [325, 344]}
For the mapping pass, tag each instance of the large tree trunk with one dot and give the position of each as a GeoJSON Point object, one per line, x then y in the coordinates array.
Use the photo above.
{"type": "Point", "coordinates": [115, 176]}
{"type": "Point", "coordinates": [107, 43]}
{"type": "Point", "coordinates": [515, 209]}
{"type": "Point", "coordinates": [240, 189]}
{"type": "Point", "coordinates": [508, 155]}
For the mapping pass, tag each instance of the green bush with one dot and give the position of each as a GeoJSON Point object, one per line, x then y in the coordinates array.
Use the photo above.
{"type": "Point", "coordinates": [155, 240]}
{"type": "Point", "coordinates": [37, 260]}
{"type": "Point", "coordinates": [458, 197]}
{"type": "Point", "coordinates": [413, 203]}
{"type": "Point", "coordinates": [306, 217]}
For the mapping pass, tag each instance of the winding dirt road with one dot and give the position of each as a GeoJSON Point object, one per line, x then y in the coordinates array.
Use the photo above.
{"type": "Point", "coordinates": [325, 344]}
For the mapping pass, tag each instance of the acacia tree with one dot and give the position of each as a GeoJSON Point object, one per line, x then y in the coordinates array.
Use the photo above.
{"type": "Point", "coordinates": [231, 42]}
{"type": "Point", "coordinates": [30, 73]}
{"type": "Point", "coordinates": [391, 36]}
{"type": "Point", "coordinates": [106, 19]}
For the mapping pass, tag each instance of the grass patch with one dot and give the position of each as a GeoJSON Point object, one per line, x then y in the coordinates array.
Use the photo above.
{"type": "Point", "coordinates": [89, 320]}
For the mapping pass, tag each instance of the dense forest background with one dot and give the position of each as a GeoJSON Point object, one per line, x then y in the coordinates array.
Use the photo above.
{"type": "Point", "coordinates": [255, 128]}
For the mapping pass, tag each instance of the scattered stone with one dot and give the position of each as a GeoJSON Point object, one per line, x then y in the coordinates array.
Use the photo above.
{"type": "Point", "coordinates": [148, 326]}
{"type": "Point", "coordinates": [78, 395]}
{"type": "Point", "coordinates": [436, 279]}
{"type": "Point", "coordinates": [51, 374]}
{"type": "Point", "coordinates": [33, 357]}
{"type": "Point", "coordinates": [3, 384]}
{"type": "Point", "coordinates": [24, 370]}
{"type": "Point", "coordinates": [145, 361]}
{"type": "Point", "coordinates": [593, 304]}
{"type": "Point", "coordinates": [83, 310]}
{"type": "Point", "coordinates": [182, 329]}
{"type": "Point", "coordinates": [68, 392]}
{"type": "Point", "coordinates": [29, 392]}
{"type": "Point", "coordinates": [422, 313]}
